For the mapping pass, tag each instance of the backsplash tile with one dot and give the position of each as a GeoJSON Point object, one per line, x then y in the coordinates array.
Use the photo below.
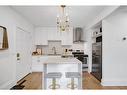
{"type": "Point", "coordinates": [60, 49]}
{"type": "Point", "coordinates": [48, 49]}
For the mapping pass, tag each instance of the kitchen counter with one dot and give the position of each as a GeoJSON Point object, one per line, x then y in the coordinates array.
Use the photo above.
{"type": "Point", "coordinates": [63, 65]}
{"type": "Point", "coordinates": [48, 55]}
{"type": "Point", "coordinates": [60, 60]}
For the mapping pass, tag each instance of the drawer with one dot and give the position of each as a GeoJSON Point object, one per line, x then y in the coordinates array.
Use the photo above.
{"type": "Point", "coordinates": [39, 59]}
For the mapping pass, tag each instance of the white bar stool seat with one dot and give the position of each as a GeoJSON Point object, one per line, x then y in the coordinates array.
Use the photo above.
{"type": "Point", "coordinates": [54, 76]}
{"type": "Point", "coordinates": [72, 75]}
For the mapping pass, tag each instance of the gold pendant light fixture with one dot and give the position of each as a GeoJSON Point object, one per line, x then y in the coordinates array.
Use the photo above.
{"type": "Point", "coordinates": [63, 19]}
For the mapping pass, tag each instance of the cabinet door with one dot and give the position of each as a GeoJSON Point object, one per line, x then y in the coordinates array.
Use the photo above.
{"type": "Point", "coordinates": [37, 38]}
{"type": "Point", "coordinates": [44, 37]}
{"type": "Point", "coordinates": [43, 59]}
{"type": "Point", "coordinates": [34, 60]}
{"type": "Point", "coordinates": [41, 37]}
{"type": "Point", "coordinates": [37, 63]}
{"type": "Point", "coordinates": [53, 34]}
{"type": "Point", "coordinates": [63, 38]}
{"type": "Point", "coordinates": [57, 35]}
{"type": "Point", "coordinates": [67, 38]}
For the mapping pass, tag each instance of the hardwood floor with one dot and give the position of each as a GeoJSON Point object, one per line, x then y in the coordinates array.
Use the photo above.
{"type": "Point", "coordinates": [33, 81]}
{"type": "Point", "coordinates": [90, 82]}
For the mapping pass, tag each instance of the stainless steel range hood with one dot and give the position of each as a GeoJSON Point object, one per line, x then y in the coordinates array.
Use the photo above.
{"type": "Point", "coordinates": [78, 35]}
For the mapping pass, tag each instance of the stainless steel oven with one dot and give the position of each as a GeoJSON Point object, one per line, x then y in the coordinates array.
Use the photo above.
{"type": "Point", "coordinates": [83, 58]}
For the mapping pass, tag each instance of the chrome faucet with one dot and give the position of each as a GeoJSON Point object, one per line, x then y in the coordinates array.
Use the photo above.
{"type": "Point", "coordinates": [54, 50]}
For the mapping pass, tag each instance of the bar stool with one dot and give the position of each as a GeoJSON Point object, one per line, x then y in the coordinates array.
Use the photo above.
{"type": "Point", "coordinates": [54, 76]}
{"type": "Point", "coordinates": [72, 75]}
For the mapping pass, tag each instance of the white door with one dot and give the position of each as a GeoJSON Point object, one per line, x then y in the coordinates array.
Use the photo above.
{"type": "Point", "coordinates": [23, 55]}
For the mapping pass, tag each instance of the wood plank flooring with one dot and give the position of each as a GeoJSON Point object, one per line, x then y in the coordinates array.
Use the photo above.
{"type": "Point", "coordinates": [34, 82]}
{"type": "Point", "coordinates": [90, 82]}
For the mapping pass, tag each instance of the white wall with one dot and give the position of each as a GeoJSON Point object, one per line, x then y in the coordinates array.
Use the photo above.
{"type": "Point", "coordinates": [107, 11]}
{"type": "Point", "coordinates": [88, 47]}
{"type": "Point", "coordinates": [10, 19]}
{"type": "Point", "coordinates": [79, 46]}
{"type": "Point", "coordinates": [114, 63]}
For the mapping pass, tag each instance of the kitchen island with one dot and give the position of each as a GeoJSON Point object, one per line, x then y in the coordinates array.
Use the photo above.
{"type": "Point", "coordinates": [62, 65]}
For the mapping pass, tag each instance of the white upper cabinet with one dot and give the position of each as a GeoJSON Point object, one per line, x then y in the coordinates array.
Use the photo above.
{"type": "Point", "coordinates": [53, 34]}
{"type": "Point", "coordinates": [67, 37]}
{"type": "Point", "coordinates": [43, 34]}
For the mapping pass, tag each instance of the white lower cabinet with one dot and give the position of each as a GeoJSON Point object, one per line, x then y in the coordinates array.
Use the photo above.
{"type": "Point", "coordinates": [38, 62]}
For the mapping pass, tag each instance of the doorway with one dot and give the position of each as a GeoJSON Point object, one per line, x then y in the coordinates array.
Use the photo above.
{"type": "Point", "coordinates": [23, 64]}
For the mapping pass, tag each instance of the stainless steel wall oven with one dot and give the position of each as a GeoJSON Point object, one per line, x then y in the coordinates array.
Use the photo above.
{"type": "Point", "coordinates": [97, 60]}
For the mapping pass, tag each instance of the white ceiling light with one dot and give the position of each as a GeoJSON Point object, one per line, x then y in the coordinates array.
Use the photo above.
{"type": "Point", "coordinates": [63, 19]}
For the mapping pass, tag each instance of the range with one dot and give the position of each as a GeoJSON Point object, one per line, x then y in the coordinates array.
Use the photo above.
{"type": "Point", "coordinates": [83, 58]}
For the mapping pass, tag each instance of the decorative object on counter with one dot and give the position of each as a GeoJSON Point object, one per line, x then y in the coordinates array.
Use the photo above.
{"type": "Point", "coordinates": [34, 53]}
{"type": "Point", "coordinates": [3, 38]}
{"type": "Point", "coordinates": [124, 38]}
{"type": "Point", "coordinates": [67, 53]}
{"type": "Point", "coordinates": [63, 20]}
{"type": "Point", "coordinates": [66, 50]}
{"type": "Point", "coordinates": [53, 76]}
{"type": "Point", "coordinates": [70, 50]}
{"type": "Point", "coordinates": [72, 75]}
{"type": "Point", "coordinates": [39, 51]}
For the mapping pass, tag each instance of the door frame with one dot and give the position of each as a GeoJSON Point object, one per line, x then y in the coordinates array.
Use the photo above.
{"type": "Point", "coordinates": [30, 70]}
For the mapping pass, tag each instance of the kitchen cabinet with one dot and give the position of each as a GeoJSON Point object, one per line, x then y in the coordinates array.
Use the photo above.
{"type": "Point", "coordinates": [53, 34]}
{"type": "Point", "coordinates": [67, 37]}
{"type": "Point", "coordinates": [38, 62]}
{"type": "Point", "coordinates": [41, 36]}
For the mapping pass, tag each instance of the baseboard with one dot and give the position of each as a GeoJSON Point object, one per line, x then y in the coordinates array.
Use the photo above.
{"type": "Point", "coordinates": [114, 83]}
{"type": "Point", "coordinates": [8, 85]}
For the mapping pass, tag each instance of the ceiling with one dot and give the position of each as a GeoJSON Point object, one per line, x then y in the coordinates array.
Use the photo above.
{"type": "Point", "coordinates": [46, 15]}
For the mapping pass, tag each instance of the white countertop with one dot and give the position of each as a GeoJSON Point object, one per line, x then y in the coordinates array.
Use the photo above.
{"type": "Point", "coordinates": [60, 60]}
